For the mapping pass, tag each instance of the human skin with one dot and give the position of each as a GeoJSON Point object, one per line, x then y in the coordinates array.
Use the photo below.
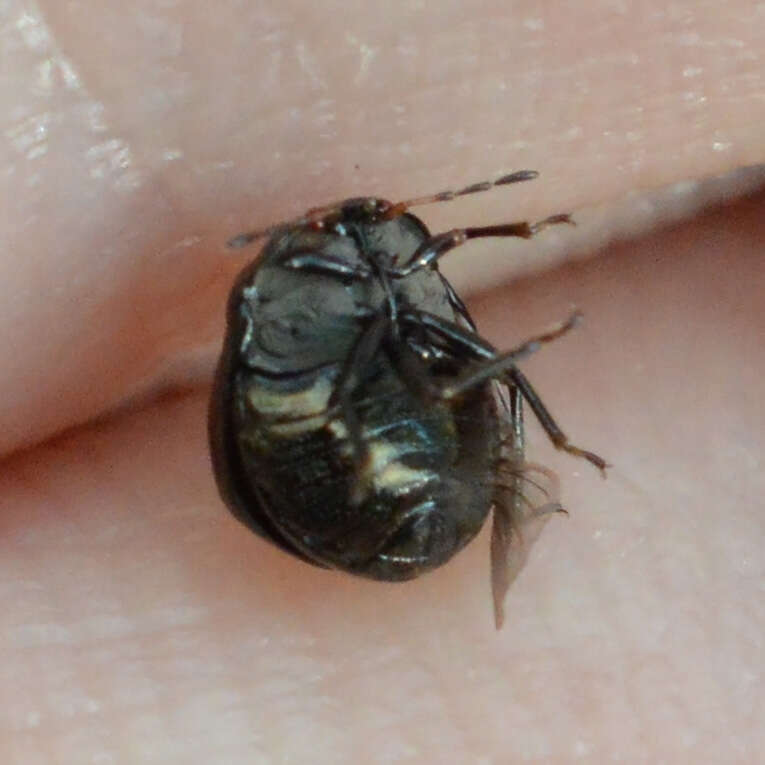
{"type": "Point", "coordinates": [141, 622]}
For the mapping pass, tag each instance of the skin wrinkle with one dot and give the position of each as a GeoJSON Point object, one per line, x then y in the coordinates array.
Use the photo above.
{"type": "Point", "coordinates": [142, 623]}
{"type": "Point", "coordinates": [217, 183]}
{"type": "Point", "coordinates": [45, 44]}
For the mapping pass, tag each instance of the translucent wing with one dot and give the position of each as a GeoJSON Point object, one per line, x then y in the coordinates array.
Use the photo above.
{"type": "Point", "coordinates": [526, 495]}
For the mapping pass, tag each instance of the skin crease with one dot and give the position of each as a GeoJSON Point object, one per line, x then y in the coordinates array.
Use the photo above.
{"type": "Point", "coordinates": [141, 623]}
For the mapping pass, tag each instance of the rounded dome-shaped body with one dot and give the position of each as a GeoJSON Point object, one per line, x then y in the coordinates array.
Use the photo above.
{"type": "Point", "coordinates": [382, 479]}
{"type": "Point", "coordinates": [358, 420]}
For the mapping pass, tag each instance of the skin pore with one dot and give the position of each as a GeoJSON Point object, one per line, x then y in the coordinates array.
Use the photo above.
{"type": "Point", "coordinates": [141, 622]}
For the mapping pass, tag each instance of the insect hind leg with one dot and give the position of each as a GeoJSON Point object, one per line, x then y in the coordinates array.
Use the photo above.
{"type": "Point", "coordinates": [496, 366]}
{"type": "Point", "coordinates": [503, 366]}
{"type": "Point", "coordinates": [553, 430]}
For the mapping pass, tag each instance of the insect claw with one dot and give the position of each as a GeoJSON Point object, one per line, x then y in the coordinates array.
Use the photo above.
{"type": "Point", "coordinates": [553, 220]}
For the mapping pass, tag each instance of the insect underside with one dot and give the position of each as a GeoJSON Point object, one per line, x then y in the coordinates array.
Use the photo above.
{"type": "Point", "coordinates": [358, 419]}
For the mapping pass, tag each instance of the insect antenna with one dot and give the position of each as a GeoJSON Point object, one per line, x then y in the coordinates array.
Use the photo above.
{"type": "Point", "coordinates": [248, 237]}
{"type": "Point", "coordinates": [387, 211]}
{"type": "Point", "coordinates": [447, 196]}
{"type": "Point", "coordinates": [313, 216]}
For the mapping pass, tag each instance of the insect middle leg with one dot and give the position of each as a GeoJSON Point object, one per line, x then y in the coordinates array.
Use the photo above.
{"type": "Point", "coordinates": [502, 366]}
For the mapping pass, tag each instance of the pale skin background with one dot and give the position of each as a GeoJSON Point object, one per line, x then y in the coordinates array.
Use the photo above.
{"type": "Point", "coordinates": [140, 622]}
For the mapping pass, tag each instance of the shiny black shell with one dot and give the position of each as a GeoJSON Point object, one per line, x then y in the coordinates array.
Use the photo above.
{"type": "Point", "coordinates": [283, 460]}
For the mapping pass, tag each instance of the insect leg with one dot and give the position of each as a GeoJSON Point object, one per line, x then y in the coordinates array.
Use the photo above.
{"type": "Point", "coordinates": [437, 246]}
{"type": "Point", "coordinates": [390, 297]}
{"type": "Point", "coordinates": [410, 359]}
{"type": "Point", "coordinates": [371, 209]}
{"type": "Point", "coordinates": [323, 263]}
{"type": "Point", "coordinates": [555, 434]}
{"type": "Point", "coordinates": [502, 365]}
{"type": "Point", "coordinates": [516, 418]}
{"type": "Point", "coordinates": [462, 341]}
{"type": "Point", "coordinates": [356, 364]}
{"type": "Point", "coordinates": [496, 366]}
{"type": "Point", "coordinates": [455, 301]}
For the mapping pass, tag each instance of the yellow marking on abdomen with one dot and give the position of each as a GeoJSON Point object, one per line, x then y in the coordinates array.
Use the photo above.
{"type": "Point", "coordinates": [387, 473]}
{"type": "Point", "coordinates": [292, 413]}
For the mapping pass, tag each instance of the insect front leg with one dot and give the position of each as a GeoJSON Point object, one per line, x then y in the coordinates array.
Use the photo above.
{"type": "Point", "coordinates": [329, 265]}
{"type": "Point", "coordinates": [439, 245]}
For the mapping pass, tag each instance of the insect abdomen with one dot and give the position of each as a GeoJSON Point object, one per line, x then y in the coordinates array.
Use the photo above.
{"type": "Point", "coordinates": [423, 463]}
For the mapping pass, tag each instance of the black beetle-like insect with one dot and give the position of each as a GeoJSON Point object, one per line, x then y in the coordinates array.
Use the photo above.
{"type": "Point", "coordinates": [358, 421]}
